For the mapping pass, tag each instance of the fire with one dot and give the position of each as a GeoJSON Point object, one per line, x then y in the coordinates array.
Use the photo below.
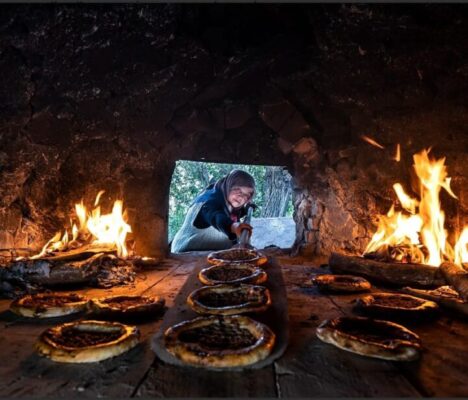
{"type": "Point", "coordinates": [93, 228]}
{"type": "Point", "coordinates": [461, 248]}
{"type": "Point", "coordinates": [419, 236]}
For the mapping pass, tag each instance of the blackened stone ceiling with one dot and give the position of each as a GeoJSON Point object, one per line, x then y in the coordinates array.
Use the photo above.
{"type": "Point", "coordinates": [110, 96]}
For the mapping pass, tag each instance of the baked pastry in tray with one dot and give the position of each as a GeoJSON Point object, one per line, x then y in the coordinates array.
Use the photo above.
{"type": "Point", "coordinates": [372, 338]}
{"type": "Point", "coordinates": [220, 341]}
{"type": "Point", "coordinates": [127, 306]}
{"type": "Point", "coordinates": [445, 296]}
{"type": "Point", "coordinates": [47, 305]}
{"type": "Point", "coordinates": [229, 299]}
{"type": "Point", "coordinates": [396, 305]}
{"type": "Point", "coordinates": [87, 341]}
{"type": "Point", "coordinates": [341, 283]}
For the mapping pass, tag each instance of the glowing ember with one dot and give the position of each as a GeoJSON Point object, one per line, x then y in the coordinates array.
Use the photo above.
{"type": "Point", "coordinates": [420, 237]}
{"type": "Point", "coordinates": [371, 141]}
{"type": "Point", "coordinates": [397, 153]}
{"type": "Point", "coordinates": [93, 228]}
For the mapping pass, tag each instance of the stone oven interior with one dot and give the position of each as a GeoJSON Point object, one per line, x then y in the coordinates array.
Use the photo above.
{"type": "Point", "coordinates": [110, 102]}
{"type": "Point", "coordinates": [103, 105]}
{"type": "Point", "coordinates": [109, 97]}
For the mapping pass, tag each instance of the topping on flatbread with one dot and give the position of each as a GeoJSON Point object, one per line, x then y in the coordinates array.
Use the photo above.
{"type": "Point", "coordinates": [232, 273]}
{"type": "Point", "coordinates": [229, 299]}
{"type": "Point", "coordinates": [237, 255]}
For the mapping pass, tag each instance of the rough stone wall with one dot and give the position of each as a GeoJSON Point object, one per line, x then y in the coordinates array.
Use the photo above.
{"type": "Point", "coordinates": [401, 80]}
{"type": "Point", "coordinates": [110, 96]}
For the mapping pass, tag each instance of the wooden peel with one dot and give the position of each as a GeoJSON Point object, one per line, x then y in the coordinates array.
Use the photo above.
{"type": "Point", "coordinates": [244, 238]}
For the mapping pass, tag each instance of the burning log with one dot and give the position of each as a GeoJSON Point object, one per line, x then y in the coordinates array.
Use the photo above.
{"type": "Point", "coordinates": [456, 276]}
{"type": "Point", "coordinates": [28, 275]}
{"type": "Point", "coordinates": [82, 253]}
{"type": "Point", "coordinates": [387, 272]}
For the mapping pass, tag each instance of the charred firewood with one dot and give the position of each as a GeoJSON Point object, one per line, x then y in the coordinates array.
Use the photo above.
{"type": "Point", "coordinates": [387, 272]}
{"type": "Point", "coordinates": [12, 287]}
{"type": "Point", "coordinates": [114, 271]}
{"type": "Point", "coordinates": [51, 272]}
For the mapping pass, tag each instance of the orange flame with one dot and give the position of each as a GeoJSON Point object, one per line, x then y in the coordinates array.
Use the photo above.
{"type": "Point", "coordinates": [408, 203]}
{"type": "Point", "coordinates": [461, 248]}
{"type": "Point", "coordinates": [422, 232]}
{"type": "Point", "coordinates": [96, 228]}
{"type": "Point", "coordinates": [371, 141]}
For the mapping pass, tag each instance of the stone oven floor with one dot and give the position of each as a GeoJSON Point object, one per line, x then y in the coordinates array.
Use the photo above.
{"type": "Point", "coordinates": [309, 368]}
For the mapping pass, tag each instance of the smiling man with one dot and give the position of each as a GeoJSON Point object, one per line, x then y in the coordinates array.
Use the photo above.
{"type": "Point", "coordinates": [213, 219]}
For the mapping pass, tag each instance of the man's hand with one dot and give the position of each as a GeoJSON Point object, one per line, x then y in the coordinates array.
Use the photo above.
{"type": "Point", "coordinates": [238, 227]}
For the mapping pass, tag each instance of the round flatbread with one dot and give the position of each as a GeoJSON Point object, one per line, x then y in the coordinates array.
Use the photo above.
{"type": "Point", "coordinates": [231, 274]}
{"type": "Point", "coordinates": [237, 255]}
{"type": "Point", "coordinates": [229, 299]}
{"type": "Point", "coordinates": [372, 338]}
{"type": "Point", "coordinates": [341, 283]}
{"type": "Point", "coordinates": [220, 341]}
{"type": "Point", "coordinates": [87, 341]}
{"type": "Point", "coordinates": [396, 305]}
{"type": "Point", "coordinates": [47, 305]}
{"type": "Point", "coordinates": [127, 306]}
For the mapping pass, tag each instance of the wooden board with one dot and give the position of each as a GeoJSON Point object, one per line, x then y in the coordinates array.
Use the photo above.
{"type": "Point", "coordinates": [308, 368]}
{"type": "Point", "coordinates": [275, 317]}
{"type": "Point", "coordinates": [27, 374]}
{"type": "Point", "coordinates": [439, 371]}
{"type": "Point", "coordinates": [313, 368]}
{"type": "Point", "coordinates": [167, 380]}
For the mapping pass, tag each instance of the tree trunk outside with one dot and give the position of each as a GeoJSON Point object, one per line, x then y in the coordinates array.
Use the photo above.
{"type": "Point", "coordinates": [203, 174]}
{"type": "Point", "coordinates": [277, 192]}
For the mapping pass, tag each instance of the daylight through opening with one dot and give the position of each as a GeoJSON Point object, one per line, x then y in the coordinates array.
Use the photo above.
{"type": "Point", "coordinates": [272, 220]}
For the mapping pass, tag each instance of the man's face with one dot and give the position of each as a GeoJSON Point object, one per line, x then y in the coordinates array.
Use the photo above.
{"type": "Point", "coordinates": [240, 195]}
